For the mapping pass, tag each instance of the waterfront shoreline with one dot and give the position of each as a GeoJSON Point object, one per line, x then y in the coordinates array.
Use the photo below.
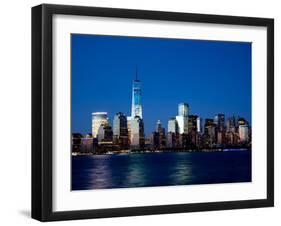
{"type": "Point", "coordinates": [160, 151]}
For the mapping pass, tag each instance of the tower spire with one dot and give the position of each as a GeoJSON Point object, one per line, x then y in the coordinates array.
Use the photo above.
{"type": "Point", "coordinates": [136, 97]}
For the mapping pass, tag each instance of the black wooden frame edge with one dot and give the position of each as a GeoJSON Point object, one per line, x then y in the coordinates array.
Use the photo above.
{"type": "Point", "coordinates": [42, 112]}
{"type": "Point", "coordinates": [36, 68]}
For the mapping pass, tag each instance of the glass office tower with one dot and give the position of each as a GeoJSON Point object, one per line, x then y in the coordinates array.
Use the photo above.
{"type": "Point", "coordinates": [98, 119]}
{"type": "Point", "coordinates": [136, 98]}
{"type": "Point", "coordinates": [182, 118]}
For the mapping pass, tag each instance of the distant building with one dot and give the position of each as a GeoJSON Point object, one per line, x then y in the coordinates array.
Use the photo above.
{"type": "Point", "coordinates": [129, 119]}
{"type": "Point", "coordinates": [173, 126]}
{"type": "Point", "coordinates": [231, 124]}
{"type": "Point", "coordinates": [158, 126]}
{"type": "Point", "coordinates": [220, 137]}
{"type": "Point", "coordinates": [244, 133]}
{"type": "Point", "coordinates": [232, 138]}
{"type": "Point", "coordinates": [183, 109]}
{"type": "Point", "coordinates": [241, 121]}
{"type": "Point", "coordinates": [147, 142]}
{"type": "Point", "coordinates": [192, 130]}
{"type": "Point", "coordinates": [135, 123]}
{"type": "Point", "coordinates": [120, 130]}
{"type": "Point", "coordinates": [76, 142]}
{"type": "Point", "coordinates": [172, 140]}
{"type": "Point", "coordinates": [192, 123]}
{"type": "Point", "coordinates": [182, 118]}
{"type": "Point", "coordinates": [87, 144]}
{"type": "Point", "coordinates": [105, 133]}
{"type": "Point", "coordinates": [120, 125]}
{"type": "Point", "coordinates": [219, 121]}
{"type": "Point", "coordinates": [209, 131]}
{"type": "Point", "coordinates": [136, 98]}
{"type": "Point", "coordinates": [162, 136]}
{"type": "Point", "coordinates": [154, 140]}
{"type": "Point", "coordinates": [199, 124]}
{"type": "Point", "coordinates": [137, 133]}
{"type": "Point", "coordinates": [98, 119]}
{"type": "Point", "coordinates": [184, 140]}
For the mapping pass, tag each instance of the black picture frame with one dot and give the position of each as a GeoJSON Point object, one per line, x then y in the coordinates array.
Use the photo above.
{"type": "Point", "coordinates": [42, 111]}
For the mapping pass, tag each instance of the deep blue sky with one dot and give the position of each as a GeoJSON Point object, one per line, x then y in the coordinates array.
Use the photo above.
{"type": "Point", "coordinates": [211, 76]}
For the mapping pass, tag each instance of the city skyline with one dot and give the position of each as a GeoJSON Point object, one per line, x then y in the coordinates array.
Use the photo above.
{"type": "Point", "coordinates": [165, 124]}
{"type": "Point", "coordinates": [183, 110]}
{"type": "Point", "coordinates": [166, 107]}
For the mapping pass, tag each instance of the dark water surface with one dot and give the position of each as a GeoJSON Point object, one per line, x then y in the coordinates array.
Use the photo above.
{"type": "Point", "coordinates": [160, 169]}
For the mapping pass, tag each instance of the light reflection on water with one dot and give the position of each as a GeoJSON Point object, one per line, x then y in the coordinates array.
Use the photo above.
{"type": "Point", "coordinates": [100, 175]}
{"type": "Point", "coordinates": [159, 169]}
{"type": "Point", "coordinates": [136, 174]}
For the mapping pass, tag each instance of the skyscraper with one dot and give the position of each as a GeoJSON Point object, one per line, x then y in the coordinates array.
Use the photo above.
{"type": "Point", "coordinates": [219, 122]}
{"type": "Point", "coordinates": [136, 98]}
{"type": "Point", "coordinates": [199, 124]}
{"type": "Point", "coordinates": [231, 124]}
{"type": "Point", "coordinates": [192, 123]}
{"type": "Point", "coordinates": [173, 126]}
{"type": "Point", "coordinates": [162, 137]}
{"type": "Point", "coordinates": [182, 118]}
{"type": "Point", "coordinates": [135, 123]}
{"type": "Point", "coordinates": [87, 143]}
{"type": "Point", "coordinates": [120, 130]}
{"type": "Point", "coordinates": [243, 133]}
{"type": "Point", "coordinates": [76, 142]}
{"type": "Point", "coordinates": [98, 119]}
{"type": "Point", "coordinates": [158, 126]}
{"type": "Point", "coordinates": [137, 133]}
{"type": "Point", "coordinates": [129, 119]}
{"type": "Point", "coordinates": [209, 130]}
{"type": "Point", "coordinates": [241, 121]}
{"type": "Point", "coordinates": [120, 125]}
{"type": "Point", "coordinates": [172, 134]}
{"type": "Point", "coordinates": [104, 133]}
{"type": "Point", "coordinates": [183, 109]}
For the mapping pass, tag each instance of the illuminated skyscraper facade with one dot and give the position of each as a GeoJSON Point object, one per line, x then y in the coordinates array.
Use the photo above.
{"type": "Point", "coordinates": [199, 124]}
{"type": "Point", "coordinates": [136, 98]}
{"type": "Point", "coordinates": [104, 133]}
{"type": "Point", "coordinates": [120, 130]}
{"type": "Point", "coordinates": [183, 109]}
{"type": "Point", "coordinates": [244, 133]}
{"type": "Point", "coordinates": [98, 119]}
{"type": "Point", "coordinates": [173, 126]}
{"type": "Point", "coordinates": [137, 133]}
{"type": "Point", "coordinates": [172, 135]}
{"type": "Point", "coordinates": [120, 125]}
{"type": "Point", "coordinates": [182, 118]}
{"type": "Point", "coordinates": [135, 123]}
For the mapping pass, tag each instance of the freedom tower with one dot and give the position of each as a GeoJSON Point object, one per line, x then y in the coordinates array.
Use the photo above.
{"type": "Point", "coordinates": [135, 121]}
{"type": "Point", "coordinates": [136, 98]}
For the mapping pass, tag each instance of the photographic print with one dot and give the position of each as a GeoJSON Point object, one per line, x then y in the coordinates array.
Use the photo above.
{"type": "Point", "coordinates": [152, 112]}
{"type": "Point", "coordinates": [131, 105]}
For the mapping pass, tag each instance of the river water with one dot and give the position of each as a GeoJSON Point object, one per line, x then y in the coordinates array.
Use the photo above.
{"type": "Point", "coordinates": [160, 169]}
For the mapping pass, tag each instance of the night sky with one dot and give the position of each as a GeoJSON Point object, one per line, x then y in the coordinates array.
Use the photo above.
{"type": "Point", "coordinates": [211, 76]}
